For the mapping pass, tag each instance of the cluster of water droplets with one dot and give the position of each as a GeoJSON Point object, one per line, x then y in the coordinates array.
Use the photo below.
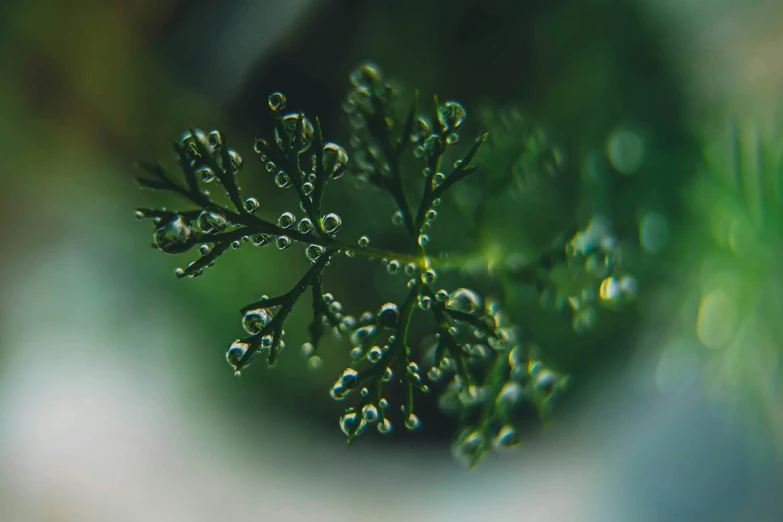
{"type": "Point", "coordinates": [590, 277]}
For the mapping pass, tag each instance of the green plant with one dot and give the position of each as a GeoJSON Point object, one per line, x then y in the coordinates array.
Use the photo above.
{"type": "Point", "coordinates": [489, 365]}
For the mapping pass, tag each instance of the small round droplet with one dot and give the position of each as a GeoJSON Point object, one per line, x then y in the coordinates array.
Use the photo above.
{"type": "Point", "coordinates": [507, 438]}
{"type": "Point", "coordinates": [429, 277]}
{"type": "Point", "coordinates": [351, 423]}
{"type": "Point", "coordinates": [277, 101]}
{"type": "Point", "coordinates": [335, 161]}
{"type": "Point", "coordinates": [331, 223]}
{"type": "Point", "coordinates": [313, 252]}
{"type": "Point", "coordinates": [424, 240]}
{"type": "Point", "coordinates": [451, 115]}
{"type": "Point", "coordinates": [236, 160]}
{"type": "Point", "coordinates": [255, 320]}
{"type": "Point", "coordinates": [261, 239]}
{"type": "Point", "coordinates": [290, 122]}
{"type": "Point", "coordinates": [283, 242]}
{"type": "Point", "coordinates": [305, 226]}
{"type": "Point", "coordinates": [349, 378]}
{"type": "Point", "coordinates": [206, 174]}
{"type": "Point", "coordinates": [211, 220]}
{"type": "Point", "coordinates": [281, 179]}
{"type": "Point", "coordinates": [370, 413]}
{"type": "Point", "coordinates": [412, 422]}
{"type": "Point", "coordinates": [441, 295]}
{"type": "Point", "coordinates": [174, 236]}
{"type": "Point", "coordinates": [393, 267]}
{"type": "Point", "coordinates": [235, 352]}
{"type": "Point", "coordinates": [464, 300]}
{"type": "Point", "coordinates": [251, 205]}
{"type": "Point", "coordinates": [397, 219]}
{"type": "Point", "coordinates": [385, 427]}
{"type": "Point", "coordinates": [364, 242]}
{"type": "Point", "coordinates": [375, 354]}
{"type": "Point", "coordinates": [286, 219]}
{"type": "Point", "coordinates": [388, 315]}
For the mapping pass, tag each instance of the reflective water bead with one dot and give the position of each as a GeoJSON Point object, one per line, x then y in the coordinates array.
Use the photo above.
{"type": "Point", "coordinates": [441, 295]}
{"type": "Point", "coordinates": [375, 354]}
{"type": "Point", "coordinates": [328, 298]}
{"type": "Point", "coordinates": [255, 320]}
{"type": "Point", "coordinates": [314, 362]}
{"type": "Point", "coordinates": [364, 242]}
{"type": "Point", "coordinates": [388, 315]}
{"type": "Point", "coordinates": [468, 447]}
{"type": "Point", "coordinates": [211, 220]}
{"type": "Point", "coordinates": [286, 219]}
{"type": "Point", "coordinates": [335, 160]}
{"type": "Point", "coordinates": [383, 403]}
{"type": "Point", "coordinates": [429, 277]}
{"type": "Point", "coordinates": [270, 166]}
{"type": "Point", "coordinates": [424, 239]}
{"type": "Point", "coordinates": [307, 349]}
{"type": "Point", "coordinates": [305, 226]}
{"type": "Point", "coordinates": [313, 252]}
{"type": "Point", "coordinates": [452, 138]}
{"type": "Point", "coordinates": [204, 250]}
{"type": "Point", "coordinates": [260, 147]}
{"type": "Point", "coordinates": [331, 223]}
{"type": "Point", "coordinates": [350, 423]}
{"type": "Point", "coordinates": [174, 236]}
{"type": "Point", "coordinates": [438, 179]}
{"type": "Point", "coordinates": [235, 244]}
{"type": "Point", "coordinates": [451, 115]}
{"type": "Point", "coordinates": [433, 146]}
{"type": "Point", "coordinates": [388, 374]}
{"type": "Point", "coordinates": [216, 139]}
{"type": "Point", "coordinates": [510, 395]}
{"type": "Point", "coordinates": [281, 179]}
{"type": "Point", "coordinates": [251, 205]}
{"type": "Point", "coordinates": [393, 266]}
{"type": "Point", "coordinates": [290, 122]}
{"type": "Point", "coordinates": [507, 438]}
{"type": "Point", "coordinates": [421, 130]}
{"type": "Point", "coordinates": [385, 427]}
{"type": "Point", "coordinates": [235, 352]}
{"type": "Point", "coordinates": [206, 174]}
{"type": "Point", "coordinates": [364, 392]}
{"type": "Point", "coordinates": [397, 219]}
{"type": "Point", "coordinates": [359, 335]}
{"type": "Point", "coordinates": [307, 188]}
{"type": "Point", "coordinates": [283, 242]}
{"type": "Point", "coordinates": [356, 352]}
{"type": "Point", "coordinates": [277, 101]}
{"type": "Point", "coordinates": [261, 239]}
{"type": "Point", "coordinates": [412, 422]}
{"type": "Point", "coordinates": [464, 300]}
{"type": "Point", "coordinates": [370, 413]}
{"type": "Point", "coordinates": [412, 367]}
{"type": "Point", "coordinates": [425, 302]}
{"type": "Point", "coordinates": [434, 374]}
{"type": "Point", "coordinates": [366, 76]}
{"type": "Point", "coordinates": [236, 160]}
{"type": "Point", "coordinates": [349, 378]}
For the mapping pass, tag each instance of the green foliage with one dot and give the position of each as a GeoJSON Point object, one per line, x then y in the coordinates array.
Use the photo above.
{"type": "Point", "coordinates": [485, 364]}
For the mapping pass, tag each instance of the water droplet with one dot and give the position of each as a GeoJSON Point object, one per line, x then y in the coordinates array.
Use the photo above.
{"type": "Point", "coordinates": [509, 396]}
{"type": "Point", "coordinates": [283, 242]}
{"type": "Point", "coordinates": [393, 266]}
{"type": "Point", "coordinates": [434, 374]}
{"type": "Point", "coordinates": [412, 367]}
{"type": "Point", "coordinates": [367, 76]}
{"type": "Point", "coordinates": [375, 354]}
{"type": "Point", "coordinates": [452, 138]}
{"type": "Point", "coordinates": [364, 242]}
{"type": "Point", "coordinates": [251, 205]}
{"type": "Point", "coordinates": [397, 219]}
{"type": "Point", "coordinates": [281, 179]}
{"type": "Point", "coordinates": [431, 214]}
{"type": "Point", "coordinates": [270, 166]}
{"type": "Point", "coordinates": [305, 225]}
{"type": "Point", "coordinates": [277, 101]}
{"type": "Point", "coordinates": [438, 179]}
{"type": "Point", "coordinates": [468, 447]}
{"type": "Point", "coordinates": [425, 302]}
{"type": "Point", "coordinates": [424, 239]}
{"type": "Point", "coordinates": [332, 223]}
{"type": "Point", "coordinates": [211, 220]}
{"type": "Point", "coordinates": [261, 239]}
{"type": "Point", "coordinates": [451, 115]}
{"type": "Point", "coordinates": [307, 350]}
{"type": "Point", "coordinates": [260, 147]}
{"type": "Point", "coordinates": [433, 146]}
{"type": "Point", "coordinates": [314, 362]}
{"type": "Point", "coordinates": [313, 252]}
{"type": "Point", "coordinates": [206, 174]}
{"type": "Point", "coordinates": [236, 160]}
{"type": "Point", "coordinates": [385, 427]}
{"type": "Point", "coordinates": [289, 124]}
{"type": "Point", "coordinates": [335, 161]}
{"type": "Point", "coordinates": [441, 295]}
{"type": "Point", "coordinates": [507, 438]}
{"type": "Point", "coordinates": [352, 424]}
{"type": "Point", "coordinates": [429, 277]}
{"type": "Point", "coordinates": [421, 130]}
{"type": "Point", "coordinates": [349, 378]}
{"type": "Point", "coordinates": [286, 219]}
{"type": "Point", "coordinates": [360, 334]}
{"type": "Point", "coordinates": [370, 413]}
{"type": "Point", "coordinates": [388, 315]}
{"type": "Point", "coordinates": [174, 236]}
{"type": "Point", "coordinates": [464, 300]}
{"type": "Point", "coordinates": [388, 374]}
{"type": "Point", "coordinates": [235, 244]}
{"type": "Point", "coordinates": [255, 320]}
{"type": "Point", "coordinates": [412, 422]}
{"type": "Point", "coordinates": [235, 352]}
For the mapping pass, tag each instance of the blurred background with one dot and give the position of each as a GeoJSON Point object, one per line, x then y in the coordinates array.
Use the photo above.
{"type": "Point", "coordinates": [115, 399]}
